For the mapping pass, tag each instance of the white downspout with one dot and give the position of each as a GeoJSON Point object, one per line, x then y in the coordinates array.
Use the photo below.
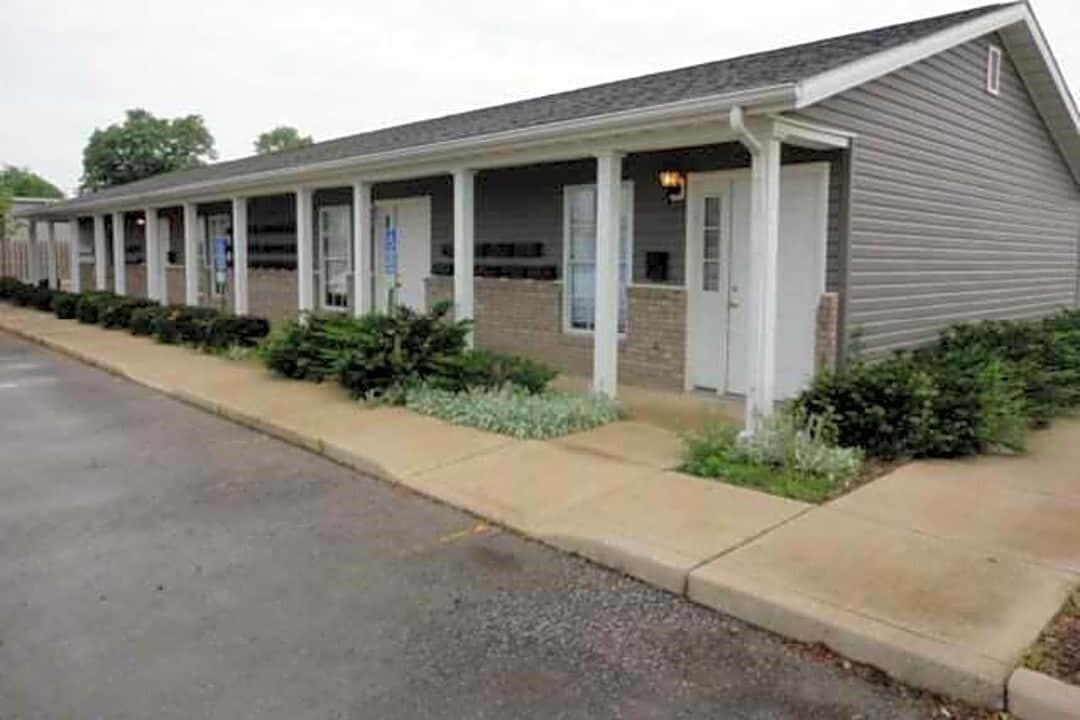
{"type": "Point", "coordinates": [742, 133]}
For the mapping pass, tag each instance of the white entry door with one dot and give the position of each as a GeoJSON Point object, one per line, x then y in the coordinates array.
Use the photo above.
{"type": "Point", "coordinates": [402, 251]}
{"type": "Point", "coordinates": [718, 274]}
{"type": "Point", "coordinates": [335, 241]}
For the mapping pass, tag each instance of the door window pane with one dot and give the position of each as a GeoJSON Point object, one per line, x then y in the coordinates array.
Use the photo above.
{"type": "Point", "coordinates": [712, 211]}
{"type": "Point", "coordinates": [710, 245]}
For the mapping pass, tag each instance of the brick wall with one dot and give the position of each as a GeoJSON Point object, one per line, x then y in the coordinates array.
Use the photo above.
{"type": "Point", "coordinates": [271, 294]}
{"type": "Point", "coordinates": [654, 353]}
{"type": "Point", "coordinates": [826, 332]}
{"type": "Point", "coordinates": [174, 284]}
{"type": "Point", "coordinates": [525, 317]}
{"type": "Point", "coordinates": [135, 280]}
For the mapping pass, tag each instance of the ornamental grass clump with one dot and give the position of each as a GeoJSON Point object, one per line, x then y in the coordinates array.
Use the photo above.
{"type": "Point", "coordinates": [514, 411]}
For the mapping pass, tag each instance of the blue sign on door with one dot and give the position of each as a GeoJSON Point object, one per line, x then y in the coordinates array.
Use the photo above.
{"type": "Point", "coordinates": [390, 251]}
{"type": "Point", "coordinates": [221, 250]}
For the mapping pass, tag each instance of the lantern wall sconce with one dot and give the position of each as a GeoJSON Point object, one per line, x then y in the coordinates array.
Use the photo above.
{"type": "Point", "coordinates": [674, 184]}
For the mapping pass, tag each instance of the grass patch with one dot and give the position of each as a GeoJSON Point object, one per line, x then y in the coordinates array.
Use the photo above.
{"type": "Point", "coordinates": [513, 411]}
{"type": "Point", "coordinates": [775, 481]}
{"type": "Point", "coordinates": [786, 458]}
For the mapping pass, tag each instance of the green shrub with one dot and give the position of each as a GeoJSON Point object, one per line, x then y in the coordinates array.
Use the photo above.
{"type": "Point", "coordinates": [977, 388]}
{"type": "Point", "coordinates": [514, 411]}
{"type": "Point", "coordinates": [65, 304]}
{"type": "Point", "coordinates": [28, 295]}
{"type": "Point", "coordinates": [1043, 356]}
{"type": "Point", "coordinates": [184, 324]}
{"type": "Point", "coordinates": [117, 313]}
{"type": "Point", "coordinates": [310, 349]}
{"type": "Point", "coordinates": [886, 409]}
{"type": "Point", "coordinates": [143, 319]}
{"type": "Point", "coordinates": [486, 369]}
{"type": "Point", "coordinates": [91, 305]}
{"type": "Point", "coordinates": [401, 349]}
{"type": "Point", "coordinates": [229, 331]}
{"type": "Point", "coordinates": [9, 287]}
{"type": "Point", "coordinates": [40, 297]}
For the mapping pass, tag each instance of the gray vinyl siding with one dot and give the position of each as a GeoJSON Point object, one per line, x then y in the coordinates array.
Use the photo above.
{"type": "Point", "coordinates": [962, 207]}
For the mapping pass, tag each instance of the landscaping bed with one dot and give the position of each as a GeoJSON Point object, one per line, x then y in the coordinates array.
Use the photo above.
{"type": "Point", "coordinates": [421, 361]}
{"type": "Point", "coordinates": [1057, 651]}
{"type": "Point", "coordinates": [978, 389]}
{"type": "Point", "coordinates": [203, 328]}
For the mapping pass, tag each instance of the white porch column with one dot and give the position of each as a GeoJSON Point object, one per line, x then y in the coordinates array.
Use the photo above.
{"type": "Point", "coordinates": [362, 248]}
{"type": "Point", "coordinates": [50, 254]}
{"type": "Point", "coordinates": [74, 267]}
{"type": "Point", "coordinates": [118, 240]}
{"type": "Point", "coordinates": [606, 330]}
{"type": "Point", "coordinates": [191, 254]}
{"type": "Point", "coordinates": [152, 254]}
{"type": "Point", "coordinates": [464, 244]}
{"type": "Point", "coordinates": [240, 255]}
{"type": "Point", "coordinates": [304, 252]}
{"type": "Point", "coordinates": [101, 271]}
{"type": "Point", "coordinates": [763, 302]}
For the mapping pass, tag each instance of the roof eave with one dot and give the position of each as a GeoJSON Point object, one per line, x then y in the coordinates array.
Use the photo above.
{"type": "Point", "coordinates": [775, 98]}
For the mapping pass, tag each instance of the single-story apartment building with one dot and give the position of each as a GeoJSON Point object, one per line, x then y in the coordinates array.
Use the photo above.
{"type": "Point", "coordinates": [732, 226]}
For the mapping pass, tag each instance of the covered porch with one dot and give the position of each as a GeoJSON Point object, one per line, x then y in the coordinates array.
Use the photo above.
{"type": "Point", "coordinates": [648, 258]}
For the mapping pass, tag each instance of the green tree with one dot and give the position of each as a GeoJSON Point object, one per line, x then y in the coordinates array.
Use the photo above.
{"type": "Point", "coordinates": [20, 182]}
{"type": "Point", "coordinates": [283, 137]}
{"type": "Point", "coordinates": [142, 146]}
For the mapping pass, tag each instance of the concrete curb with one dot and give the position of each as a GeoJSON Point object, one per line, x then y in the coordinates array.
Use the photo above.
{"type": "Point", "coordinates": [1035, 696]}
{"type": "Point", "coordinates": [908, 657]}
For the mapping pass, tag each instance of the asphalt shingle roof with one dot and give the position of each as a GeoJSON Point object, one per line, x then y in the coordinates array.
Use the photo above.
{"type": "Point", "coordinates": [747, 72]}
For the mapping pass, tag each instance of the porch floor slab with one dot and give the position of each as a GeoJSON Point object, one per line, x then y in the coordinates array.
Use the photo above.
{"type": "Point", "coordinates": [673, 410]}
{"type": "Point", "coordinates": [631, 441]}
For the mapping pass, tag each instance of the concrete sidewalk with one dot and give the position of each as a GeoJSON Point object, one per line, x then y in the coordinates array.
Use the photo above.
{"type": "Point", "coordinates": [940, 573]}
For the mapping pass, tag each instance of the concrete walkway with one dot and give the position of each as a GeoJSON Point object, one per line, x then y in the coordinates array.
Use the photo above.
{"type": "Point", "coordinates": [940, 573]}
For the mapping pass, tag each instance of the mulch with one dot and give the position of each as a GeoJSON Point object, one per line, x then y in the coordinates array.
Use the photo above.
{"type": "Point", "coordinates": [1057, 651]}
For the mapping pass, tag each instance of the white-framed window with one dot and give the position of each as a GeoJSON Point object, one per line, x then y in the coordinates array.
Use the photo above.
{"type": "Point", "coordinates": [579, 255]}
{"type": "Point", "coordinates": [993, 70]}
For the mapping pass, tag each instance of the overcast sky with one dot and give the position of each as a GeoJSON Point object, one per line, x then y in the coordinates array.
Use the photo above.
{"type": "Point", "coordinates": [335, 68]}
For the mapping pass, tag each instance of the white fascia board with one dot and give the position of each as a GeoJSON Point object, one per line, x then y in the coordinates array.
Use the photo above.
{"type": "Point", "coordinates": [1052, 66]}
{"type": "Point", "coordinates": [824, 85]}
{"type": "Point", "coordinates": [796, 131]}
{"type": "Point", "coordinates": [773, 99]}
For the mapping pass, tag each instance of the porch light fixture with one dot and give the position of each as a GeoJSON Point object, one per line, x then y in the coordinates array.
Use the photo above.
{"type": "Point", "coordinates": [674, 184]}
